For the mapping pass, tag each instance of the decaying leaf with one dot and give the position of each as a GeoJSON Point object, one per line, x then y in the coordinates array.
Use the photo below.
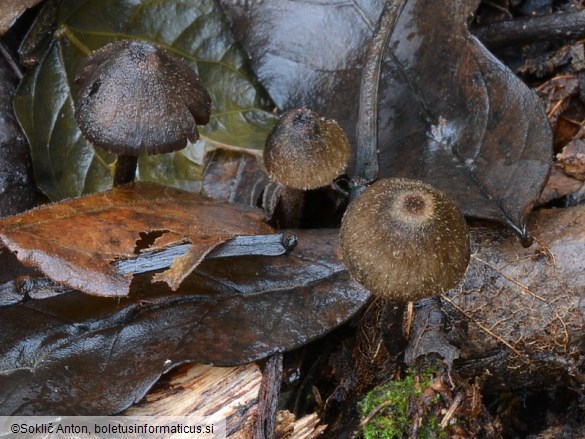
{"type": "Point", "coordinates": [449, 113]}
{"type": "Point", "coordinates": [234, 176]}
{"type": "Point", "coordinates": [10, 11]}
{"type": "Point", "coordinates": [77, 241]}
{"type": "Point", "coordinates": [572, 159]}
{"type": "Point", "coordinates": [454, 116]}
{"type": "Point", "coordinates": [17, 192]}
{"type": "Point", "coordinates": [520, 313]}
{"type": "Point", "coordinates": [80, 354]}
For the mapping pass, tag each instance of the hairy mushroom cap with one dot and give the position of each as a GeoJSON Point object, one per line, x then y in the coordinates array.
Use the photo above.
{"type": "Point", "coordinates": [404, 240]}
{"type": "Point", "coordinates": [305, 151]}
{"type": "Point", "coordinates": [135, 96]}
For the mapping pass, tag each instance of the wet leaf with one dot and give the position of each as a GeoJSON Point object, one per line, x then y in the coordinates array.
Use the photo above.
{"type": "Point", "coordinates": [65, 164]}
{"type": "Point", "coordinates": [10, 11]}
{"type": "Point", "coordinates": [454, 116]}
{"type": "Point", "coordinates": [80, 354]}
{"type": "Point", "coordinates": [449, 113]}
{"type": "Point", "coordinates": [308, 54]}
{"type": "Point", "coordinates": [119, 224]}
{"type": "Point", "coordinates": [17, 191]}
{"type": "Point", "coordinates": [234, 176]}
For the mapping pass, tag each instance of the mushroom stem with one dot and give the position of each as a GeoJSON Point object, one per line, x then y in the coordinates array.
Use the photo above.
{"type": "Point", "coordinates": [366, 166]}
{"type": "Point", "coordinates": [125, 169]}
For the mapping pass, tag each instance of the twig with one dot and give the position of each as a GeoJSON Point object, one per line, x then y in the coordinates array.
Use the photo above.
{"type": "Point", "coordinates": [498, 7]}
{"type": "Point", "coordinates": [452, 410]}
{"type": "Point", "coordinates": [268, 398]}
{"type": "Point", "coordinates": [261, 245]}
{"type": "Point", "coordinates": [373, 413]}
{"type": "Point", "coordinates": [482, 327]}
{"type": "Point", "coordinates": [558, 26]}
{"type": "Point", "coordinates": [10, 60]}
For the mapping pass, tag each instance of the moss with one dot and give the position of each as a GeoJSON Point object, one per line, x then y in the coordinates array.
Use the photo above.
{"type": "Point", "coordinates": [394, 403]}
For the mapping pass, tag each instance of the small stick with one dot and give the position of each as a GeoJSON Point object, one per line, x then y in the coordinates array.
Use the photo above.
{"type": "Point", "coordinates": [449, 415]}
{"type": "Point", "coordinates": [268, 398]}
{"type": "Point", "coordinates": [373, 413]}
{"type": "Point", "coordinates": [10, 61]}
{"type": "Point", "coordinates": [558, 26]}
{"type": "Point", "coordinates": [257, 245]}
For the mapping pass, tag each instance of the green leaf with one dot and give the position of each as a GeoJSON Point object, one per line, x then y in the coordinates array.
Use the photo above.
{"type": "Point", "coordinates": [65, 165]}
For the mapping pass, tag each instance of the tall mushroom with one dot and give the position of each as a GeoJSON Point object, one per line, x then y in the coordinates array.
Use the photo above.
{"type": "Point", "coordinates": [136, 97]}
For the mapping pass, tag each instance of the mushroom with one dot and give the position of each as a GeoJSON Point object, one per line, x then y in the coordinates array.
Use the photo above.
{"type": "Point", "coordinates": [404, 240]}
{"type": "Point", "coordinates": [305, 151]}
{"type": "Point", "coordinates": [135, 98]}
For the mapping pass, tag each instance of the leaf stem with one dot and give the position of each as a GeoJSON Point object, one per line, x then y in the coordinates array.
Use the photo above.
{"type": "Point", "coordinates": [366, 170]}
{"type": "Point", "coordinates": [70, 36]}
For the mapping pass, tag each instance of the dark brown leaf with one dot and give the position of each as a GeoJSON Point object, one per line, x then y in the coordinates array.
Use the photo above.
{"type": "Point", "coordinates": [80, 354]}
{"type": "Point", "coordinates": [233, 176]}
{"type": "Point", "coordinates": [449, 113]}
{"type": "Point", "coordinates": [77, 241]}
{"type": "Point", "coordinates": [17, 191]}
{"type": "Point", "coordinates": [308, 54]}
{"type": "Point", "coordinates": [455, 117]}
{"type": "Point", "coordinates": [520, 312]}
{"type": "Point", "coordinates": [10, 11]}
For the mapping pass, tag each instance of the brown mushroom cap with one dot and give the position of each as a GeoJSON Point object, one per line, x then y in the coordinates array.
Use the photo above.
{"type": "Point", "coordinates": [305, 151]}
{"type": "Point", "coordinates": [135, 96]}
{"type": "Point", "coordinates": [404, 240]}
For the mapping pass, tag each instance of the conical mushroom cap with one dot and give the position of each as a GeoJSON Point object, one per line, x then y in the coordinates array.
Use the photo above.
{"type": "Point", "coordinates": [404, 240]}
{"type": "Point", "coordinates": [136, 96]}
{"type": "Point", "coordinates": [305, 151]}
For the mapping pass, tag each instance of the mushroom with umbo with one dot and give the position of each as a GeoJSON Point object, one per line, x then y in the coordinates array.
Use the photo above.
{"type": "Point", "coordinates": [135, 98]}
{"type": "Point", "coordinates": [401, 238]}
{"type": "Point", "coordinates": [404, 240]}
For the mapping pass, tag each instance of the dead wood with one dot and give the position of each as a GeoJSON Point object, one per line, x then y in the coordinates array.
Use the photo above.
{"type": "Point", "coordinates": [268, 398]}
{"type": "Point", "coordinates": [558, 26]}
{"type": "Point", "coordinates": [232, 393]}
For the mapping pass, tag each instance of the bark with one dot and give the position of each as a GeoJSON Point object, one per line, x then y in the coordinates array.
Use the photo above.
{"type": "Point", "coordinates": [519, 313]}
{"type": "Point", "coordinates": [232, 393]}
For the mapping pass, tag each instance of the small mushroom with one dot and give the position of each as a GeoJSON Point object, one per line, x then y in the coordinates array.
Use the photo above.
{"type": "Point", "coordinates": [136, 97]}
{"type": "Point", "coordinates": [404, 240]}
{"type": "Point", "coordinates": [305, 151]}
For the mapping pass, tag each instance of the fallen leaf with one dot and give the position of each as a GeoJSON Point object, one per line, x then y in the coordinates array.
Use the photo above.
{"type": "Point", "coordinates": [455, 117]}
{"type": "Point", "coordinates": [16, 186]}
{"type": "Point", "coordinates": [520, 312]}
{"type": "Point", "coordinates": [77, 241]}
{"type": "Point", "coordinates": [10, 11]}
{"type": "Point", "coordinates": [65, 165]}
{"type": "Point", "coordinates": [308, 54]}
{"type": "Point", "coordinates": [449, 113]}
{"type": "Point", "coordinates": [80, 354]}
{"type": "Point", "coordinates": [234, 176]}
